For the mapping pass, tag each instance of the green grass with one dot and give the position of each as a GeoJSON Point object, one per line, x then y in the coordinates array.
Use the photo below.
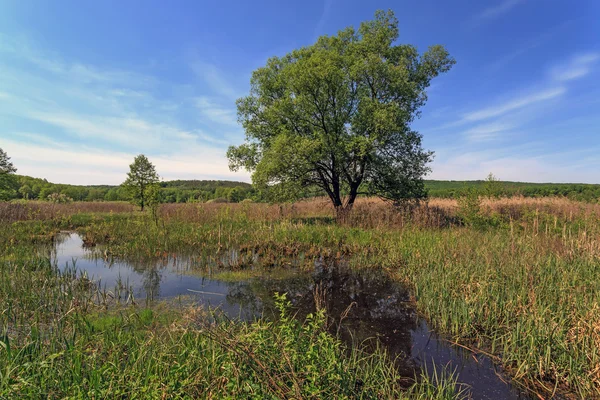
{"type": "Point", "coordinates": [527, 298]}
{"type": "Point", "coordinates": [58, 341]}
{"type": "Point", "coordinates": [525, 291]}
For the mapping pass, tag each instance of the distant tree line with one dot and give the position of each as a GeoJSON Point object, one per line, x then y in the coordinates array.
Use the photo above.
{"type": "Point", "coordinates": [183, 191]}
{"type": "Point", "coordinates": [574, 191]}
{"type": "Point", "coordinates": [180, 191]}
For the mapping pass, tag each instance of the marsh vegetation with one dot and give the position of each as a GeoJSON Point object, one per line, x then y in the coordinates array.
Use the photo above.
{"type": "Point", "coordinates": [340, 296]}
{"type": "Point", "coordinates": [519, 286]}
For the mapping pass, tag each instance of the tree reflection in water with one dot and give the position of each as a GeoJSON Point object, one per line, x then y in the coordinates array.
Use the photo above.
{"type": "Point", "coordinates": [379, 308]}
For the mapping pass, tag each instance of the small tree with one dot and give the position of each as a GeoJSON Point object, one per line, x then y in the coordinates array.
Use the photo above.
{"type": "Point", "coordinates": [8, 183]}
{"type": "Point", "coordinates": [140, 178]}
{"type": "Point", "coordinates": [59, 198]}
{"type": "Point", "coordinates": [153, 200]}
{"type": "Point", "coordinates": [235, 195]}
{"type": "Point", "coordinates": [337, 116]}
{"type": "Point", "coordinates": [469, 206]}
{"type": "Point", "coordinates": [26, 192]}
{"type": "Point", "coordinates": [492, 187]}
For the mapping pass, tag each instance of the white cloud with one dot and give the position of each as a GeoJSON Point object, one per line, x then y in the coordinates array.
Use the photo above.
{"type": "Point", "coordinates": [487, 131]}
{"type": "Point", "coordinates": [121, 130]}
{"type": "Point", "coordinates": [215, 112]}
{"type": "Point", "coordinates": [514, 104]}
{"type": "Point", "coordinates": [52, 63]}
{"type": "Point", "coordinates": [96, 105]}
{"type": "Point", "coordinates": [578, 67]}
{"type": "Point", "coordinates": [472, 166]}
{"type": "Point", "coordinates": [115, 113]}
{"type": "Point", "coordinates": [323, 18]}
{"type": "Point", "coordinates": [36, 138]}
{"type": "Point", "coordinates": [498, 10]}
{"type": "Point", "coordinates": [85, 166]}
{"type": "Point", "coordinates": [214, 79]}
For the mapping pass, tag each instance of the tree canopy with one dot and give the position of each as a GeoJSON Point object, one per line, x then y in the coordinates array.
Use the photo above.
{"type": "Point", "coordinates": [8, 184]}
{"type": "Point", "coordinates": [140, 180]}
{"type": "Point", "coordinates": [336, 115]}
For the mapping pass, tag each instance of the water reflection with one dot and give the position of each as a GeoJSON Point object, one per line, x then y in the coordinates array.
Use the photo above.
{"type": "Point", "coordinates": [365, 307]}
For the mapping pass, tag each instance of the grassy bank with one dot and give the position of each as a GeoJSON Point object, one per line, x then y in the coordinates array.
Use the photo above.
{"type": "Point", "coordinates": [58, 340]}
{"type": "Point", "coordinates": [521, 285]}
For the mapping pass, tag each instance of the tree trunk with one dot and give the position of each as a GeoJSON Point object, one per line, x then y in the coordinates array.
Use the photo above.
{"type": "Point", "coordinates": [342, 213]}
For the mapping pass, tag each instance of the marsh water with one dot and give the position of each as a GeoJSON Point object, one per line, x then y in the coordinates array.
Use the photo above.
{"type": "Point", "coordinates": [364, 307]}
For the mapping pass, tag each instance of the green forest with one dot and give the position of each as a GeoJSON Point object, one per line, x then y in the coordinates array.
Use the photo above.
{"type": "Point", "coordinates": [573, 191]}
{"type": "Point", "coordinates": [177, 191]}
{"type": "Point", "coordinates": [183, 191]}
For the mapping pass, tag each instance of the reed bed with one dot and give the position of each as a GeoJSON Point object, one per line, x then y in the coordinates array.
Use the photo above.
{"type": "Point", "coordinates": [42, 210]}
{"type": "Point", "coordinates": [61, 336]}
{"type": "Point", "coordinates": [523, 287]}
{"type": "Point", "coordinates": [378, 214]}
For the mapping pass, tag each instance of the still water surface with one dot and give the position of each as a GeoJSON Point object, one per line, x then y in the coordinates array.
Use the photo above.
{"type": "Point", "coordinates": [380, 309]}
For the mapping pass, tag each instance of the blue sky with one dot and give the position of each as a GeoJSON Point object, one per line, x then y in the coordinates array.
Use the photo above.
{"type": "Point", "coordinates": [86, 85]}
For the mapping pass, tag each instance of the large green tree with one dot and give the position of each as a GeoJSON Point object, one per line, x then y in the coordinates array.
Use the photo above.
{"type": "Point", "coordinates": [337, 116]}
{"type": "Point", "coordinates": [8, 183]}
{"type": "Point", "coordinates": [140, 180]}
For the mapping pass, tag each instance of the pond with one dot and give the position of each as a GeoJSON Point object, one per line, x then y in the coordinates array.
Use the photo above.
{"type": "Point", "coordinates": [364, 307]}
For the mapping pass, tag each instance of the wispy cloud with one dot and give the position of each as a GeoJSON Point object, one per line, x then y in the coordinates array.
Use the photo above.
{"type": "Point", "coordinates": [85, 165]}
{"type": "Point", "coordinates": [486, 132]}
{"type": "Point", "coordinates": [547, 157]}
{"type": "Point", "coordinates": [514, 104]}
{"type": "Point", "coordinates": [323, 18]}
{"type": "Point", "coordinates": [77, 72]}
{"type": "Point", "coordinates": [212, 111]}
{"type": "Point", "coordinates": [578, 67]}
{"type": "Point", "coordinates": [497, 10]}
{"type": "Point", "coordinates": [515, 167]}
{"type": "Point", "coordinates": [37, 138]}
{"type": "Point", "coordinates": [530, 44]}
{"type": "Point", "coordinates": [72, 122]}
{"type": "Point", "coordinates": [131, 132]}
{"type": "Point", "coordinates": [214, 79]}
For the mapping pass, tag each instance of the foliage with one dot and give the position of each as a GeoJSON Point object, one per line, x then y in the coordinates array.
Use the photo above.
{"type": "Point", "coordinates": [492, 187]}
{"type": "Point", "coordinates": [8, 185]}
{"type": "Point", "coordinates": [527, 293]}
{"type": "Point", "coordinates": [178, 191]}
{"type": "Point", "coordinates": [57, 342]}
{"type": "Point", "coordinates": [501, 289]}
{"type": "Point", "coordinates": [469, 206]}
{"type": "Point", "coordinates": [201, 191]}
{"type": "Point", "coordinates": [574, 191]}
{"type": "Point", "coordinates": [153, 200]}
{"type": "Point", "coordinates": [140, 182]}
{"type": "Point", "coordinates": [59, 198]}
{"type": "Point", "coordinates": [336, 115]}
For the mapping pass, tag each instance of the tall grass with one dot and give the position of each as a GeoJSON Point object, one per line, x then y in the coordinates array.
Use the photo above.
{"type": "Point", "coordinates": [523, 288]}
{"type": "Point", "coordinates": [56, 343]}
{"type": "Point", "coordinates": [42, 210]}
{"type": "Point", "coordinates": [57, 340]}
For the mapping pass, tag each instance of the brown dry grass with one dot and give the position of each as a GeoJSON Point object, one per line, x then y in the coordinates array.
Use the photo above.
{"type": "Point", "coordinates": [40, 210]}
{"type": "Point", "coordinates": [376, 213]}
{"type": "Point", "coordinates": [368, 212]}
